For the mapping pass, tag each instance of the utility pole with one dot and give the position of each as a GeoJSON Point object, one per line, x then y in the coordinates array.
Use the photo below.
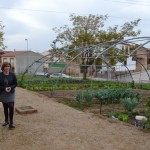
{"type": "Point", "coordinates": [27, 43]}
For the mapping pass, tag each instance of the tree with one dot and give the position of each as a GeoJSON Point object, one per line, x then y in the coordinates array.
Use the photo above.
{"type": "Point", "coordinates": [1, 35]}
{"type": "Point", "coordinates": [88, 30]}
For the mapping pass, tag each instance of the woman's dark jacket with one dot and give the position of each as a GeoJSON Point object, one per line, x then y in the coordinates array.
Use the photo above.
{"type": "Point", "coordinates": [8, 81]}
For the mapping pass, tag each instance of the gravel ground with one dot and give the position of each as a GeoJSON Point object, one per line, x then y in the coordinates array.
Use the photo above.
{"type": "Point", "coordinates": [59, 127]}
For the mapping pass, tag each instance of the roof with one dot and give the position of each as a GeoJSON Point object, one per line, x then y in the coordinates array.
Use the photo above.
{"type": "Point", "coordinates": [13, 53]}
{"type": "Point", "coordinates": [45, 53]}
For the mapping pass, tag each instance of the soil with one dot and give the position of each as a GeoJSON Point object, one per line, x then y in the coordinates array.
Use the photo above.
{"type": "Point", "coordinates": [69, 95]}
{"type": "Point", "coordinates": [59, 127]}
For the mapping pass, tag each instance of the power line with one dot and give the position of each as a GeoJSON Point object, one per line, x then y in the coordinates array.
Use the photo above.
{"type": "Point", "coordinates": [128, 18]}
{"type": "Point", "coordinates": [36, 10]}
{"type": "Point", "coordinates": [51, 11]}
{"type": "Point", "coordinates": [132, 2]}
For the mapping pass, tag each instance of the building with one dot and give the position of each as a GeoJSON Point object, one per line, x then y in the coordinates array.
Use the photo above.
{"type": "Point", "coordinates": [142, 56]}
{"type": "Point", "coordinates": [129, 63]}
{"type": "Point", "coordinates": [22, 61]}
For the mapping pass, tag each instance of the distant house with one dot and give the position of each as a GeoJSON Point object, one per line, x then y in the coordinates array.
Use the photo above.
{"type": "Point", "coordinates": [132, 62]}
{"type": "Point", "coordinates": [21, 60]}
{"type": "Point", "coordinates": [129, 63]}
{"type": "Point", "coordinates": [56, 62]}
{"type": "Point", "coordinates": [142, 57]}
{"type": "Point", "coordinates": [1, 53]}
{"type": "Point", "coordinates": [136, 61]}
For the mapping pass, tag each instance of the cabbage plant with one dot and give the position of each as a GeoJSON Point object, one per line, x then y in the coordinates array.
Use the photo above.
{"type": "Point", "coordinates": [129, 103]}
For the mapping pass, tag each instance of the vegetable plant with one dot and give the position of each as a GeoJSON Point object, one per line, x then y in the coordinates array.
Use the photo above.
{"type": "Point", "coordinates": [85, 97]}
{"type": "Point", "coordinates": [129, 103]}
{"type": "Point", "coordinates": [123, 117]}
{"type": "Point", "coordinates": [102, 97]}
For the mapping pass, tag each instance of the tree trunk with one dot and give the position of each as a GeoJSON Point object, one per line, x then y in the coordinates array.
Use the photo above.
{"type": "Point", "coordinates": [84, 75]}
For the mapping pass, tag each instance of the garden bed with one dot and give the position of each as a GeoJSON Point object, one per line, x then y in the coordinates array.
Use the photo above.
{"type": "Point", "coordinates": [68, 97]}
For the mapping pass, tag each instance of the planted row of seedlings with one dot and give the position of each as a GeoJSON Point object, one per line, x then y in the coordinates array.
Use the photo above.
{"type": "Point", "coordinates": [69, 84]}
{"type": "Point", "coordinates": [126, 97]}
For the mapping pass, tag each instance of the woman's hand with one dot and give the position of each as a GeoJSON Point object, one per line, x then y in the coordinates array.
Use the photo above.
{"type": "Point", "coordinates": [8, 89]}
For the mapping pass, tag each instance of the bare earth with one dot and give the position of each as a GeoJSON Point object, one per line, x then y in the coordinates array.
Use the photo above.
{"type": "Point", "coordinates": [59, 127]}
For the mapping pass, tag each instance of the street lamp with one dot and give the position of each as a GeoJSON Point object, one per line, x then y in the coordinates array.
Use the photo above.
{"type": "Point", "coordinates": [27, 43]}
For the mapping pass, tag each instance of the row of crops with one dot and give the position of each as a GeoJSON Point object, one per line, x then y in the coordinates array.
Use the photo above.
{"type": "Point", "coordinates": [126, 97]}
{"type": "Point", "coordinates": [104, 92]}
{"type": "Point", "coordinates": [69, 84]}
{"type": "Point", "coordinates": [48, 84]}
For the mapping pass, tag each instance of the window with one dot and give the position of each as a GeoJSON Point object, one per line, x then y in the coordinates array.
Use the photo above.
{"type": "Point", "coordinates": [12, 61]}
{"type": "Point", "coordinates": [125, 63]}
{"type": "Point", "coordinates": [4, 59]}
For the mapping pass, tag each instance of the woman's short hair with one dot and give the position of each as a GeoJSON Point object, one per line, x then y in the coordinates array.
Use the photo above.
{"type": "Point", "coordinates": [5, 64]}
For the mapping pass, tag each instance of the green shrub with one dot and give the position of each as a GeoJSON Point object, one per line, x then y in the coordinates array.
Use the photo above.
{"type": "Point", "coordinates": [102, 97]}
{"type": "Point", "coordinates": [85, 97]}
{"type": "Point", "coordinates": [79, 97]}
{"type": "Point", "coordinates": [88, 97]}
{"type": "Point", "coordinates": [129, 103]}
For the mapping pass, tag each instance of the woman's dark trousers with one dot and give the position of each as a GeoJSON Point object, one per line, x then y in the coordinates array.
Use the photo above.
{"type": "Point", "coordinates": [8, 112]}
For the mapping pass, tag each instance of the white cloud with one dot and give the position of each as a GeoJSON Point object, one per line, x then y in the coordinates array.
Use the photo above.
{"type": "Point", "coordinates": [36, 18]}
{"type": "Point", "coordinates": [27, 20]}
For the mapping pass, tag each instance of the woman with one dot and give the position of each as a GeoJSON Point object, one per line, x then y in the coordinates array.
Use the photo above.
{"type": "Point", "coordinates": [8, 83]}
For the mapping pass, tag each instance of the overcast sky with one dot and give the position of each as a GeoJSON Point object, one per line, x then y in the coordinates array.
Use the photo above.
{"type": "Point", "coordinates": [34, 19]}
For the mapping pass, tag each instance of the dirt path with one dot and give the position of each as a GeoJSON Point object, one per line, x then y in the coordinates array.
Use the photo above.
{"type": "Point", "coordinates": [59, 127]}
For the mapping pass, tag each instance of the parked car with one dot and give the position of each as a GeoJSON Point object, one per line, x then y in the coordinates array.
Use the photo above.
{"type": "Point", "coordinates": [42, 74]}
{"type": "Point", "coordinates": [59, 75]}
